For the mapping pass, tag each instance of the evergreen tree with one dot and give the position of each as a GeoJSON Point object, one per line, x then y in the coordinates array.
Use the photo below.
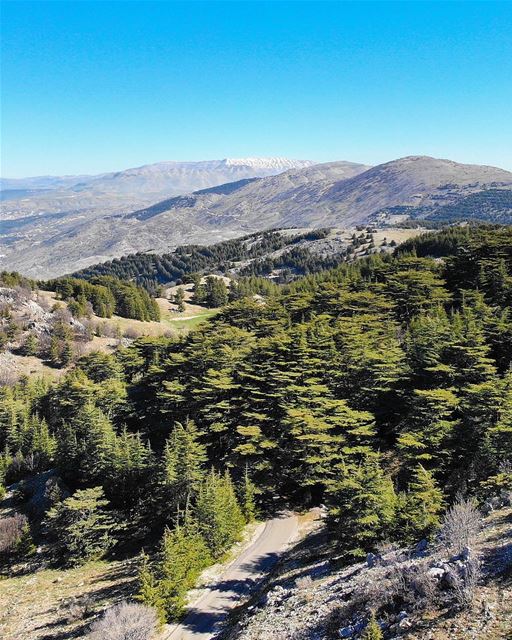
{"type": "Point", "coordinates": [362, 507]}
{"type": "Point", "coordinates": [248, 497]}
{"type": "Point", "coordinates": [420, 508]}
{"type": "Point", "coordinates": [183, 464]}
{"type": "Point", "coordinates": [179, 299]}
{"type": "Point", "coordinates": [55, 351]}
{"type": "Point", "coordinates": [218, 514]}
{"type": "Point", "coordinates": [184, 555]}
{"type": "Point", "coordinates": [31, 345]}
{"type": "Point", "coordinates": [215, 292]}
{"type": "Point", "coordinates": [82, 527]}
{"type": "Point", "coordinates": [99, 366]}
{"type": "Point", "coordinates": [128, 464]}
{"type": "Point", "coordinates": [25, 546]}
{"type": "Point", "coordinates": [428, 430]}
{"type": "Point", "coordinates": [96, 441]}
{"type": "Point", "coordinates": [497, 440]}
{"type": "Point", "coordinates": [66, 353]}
{"type": "Point", "coordinates": [372, 631]}
{"type": "Point", "coordinates": [149, 589]}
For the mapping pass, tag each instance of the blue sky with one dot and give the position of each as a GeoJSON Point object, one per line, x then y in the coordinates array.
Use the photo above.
{"type": "Point", "coordinates": [98, 86]}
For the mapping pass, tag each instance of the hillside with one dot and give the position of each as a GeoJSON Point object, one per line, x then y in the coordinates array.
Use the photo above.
{"type": "Point", "coordinates": [41, 333]}
{"type": "Point", "coordinates": [336, 194]}
{"type": "Point", "coordinates": [47, 208]}
{"type": "Point", "coordinates": [378, 393]}
{"type": "Point", "coordinates": [281, 256]}
{"type": "Point", "coordinates": [159, 178]}
{"type": "Point", "coordinates": [412, 592]}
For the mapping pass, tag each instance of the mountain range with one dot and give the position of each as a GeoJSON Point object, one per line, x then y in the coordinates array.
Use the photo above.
{"type": "Point", "coordinates": [159, 179]}
{"type": "Point", "coordinates": [89, 222]}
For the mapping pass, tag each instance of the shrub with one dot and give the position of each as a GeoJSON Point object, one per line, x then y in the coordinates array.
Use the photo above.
{"type": "Point", "coordinates": [125, 621]}
{"type": "Point", "coordinates": [461, 525]}
{"type": "Point", "coordinates": [11, 532]}
{"type": "Point", "coordinates": [132, 333]}
{"type": "Point", "coordinates": [372, 630]}
{"type": "Point", "coordinates": [466, 583]}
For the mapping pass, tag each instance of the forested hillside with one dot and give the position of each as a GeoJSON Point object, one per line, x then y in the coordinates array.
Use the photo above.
{"type": "Point", "coordinates": [281, 255]}
{"type": "Point", "coordinates": [151, 270]}
{"type": "Point", "coordinates": [381, 388]}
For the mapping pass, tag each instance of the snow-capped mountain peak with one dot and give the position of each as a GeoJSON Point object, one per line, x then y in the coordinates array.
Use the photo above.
{"type": "Point", "coordinates": [277, 163]}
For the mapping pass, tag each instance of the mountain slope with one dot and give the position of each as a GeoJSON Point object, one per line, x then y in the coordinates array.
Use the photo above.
{"type": "Point", "coordinates": [163, 178]}
{"type": "Point", "coordinates": [336, 194]}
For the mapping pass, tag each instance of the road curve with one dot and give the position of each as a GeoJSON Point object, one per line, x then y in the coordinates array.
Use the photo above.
{"type": "Point", "coordinates": [239, 579]}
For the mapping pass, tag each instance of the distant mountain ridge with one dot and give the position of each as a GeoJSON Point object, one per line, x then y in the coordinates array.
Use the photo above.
{"type": "Point", "coordinates": [171, 177]}
{"type": "Point", "coordinates": [335, 194]}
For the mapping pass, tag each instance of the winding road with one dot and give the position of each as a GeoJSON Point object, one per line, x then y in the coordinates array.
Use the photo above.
{"type": "Point", "coordinates": [238, 580]}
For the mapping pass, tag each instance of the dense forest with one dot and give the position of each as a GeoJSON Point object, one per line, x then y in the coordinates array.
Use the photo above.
{"type": "Point", "coordinates": [151, 270]}
{"type": "Point", "coordinates": [106, 295]}
{"type": "Point", "coordinates": [103, 296]}
{"type": "Point", "coordinates": [382, 388]}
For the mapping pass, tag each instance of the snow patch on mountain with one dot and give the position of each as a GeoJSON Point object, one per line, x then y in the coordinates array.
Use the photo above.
{"type": "Point", "coordinates": [277, 163]}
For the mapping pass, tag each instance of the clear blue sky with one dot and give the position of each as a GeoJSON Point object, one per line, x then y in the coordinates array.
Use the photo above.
{"type": "Point", "coordinates": [98, 86]}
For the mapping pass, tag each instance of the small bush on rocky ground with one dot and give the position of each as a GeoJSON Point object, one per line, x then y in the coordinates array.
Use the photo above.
{"type": "Point", "coordinates": [304, 584]}
{"type": "Point", "coordinates": [125, 621]}
{"type": "Point", "coordinates": [372, 630]}
{"type": "Point", "coordinates": [79, 608]}
{"type": "Point", "coordinates": [461, 525]}
{"type": "Point", "coordinates": [11, 531]}
{"type": "Point", "coordinates": [465, 584]}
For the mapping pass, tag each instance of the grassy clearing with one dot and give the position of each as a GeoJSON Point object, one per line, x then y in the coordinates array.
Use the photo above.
{"type": "Point", "coordinates": [184, 324]}
{"type": "Point", "coordinates": [54, 604]}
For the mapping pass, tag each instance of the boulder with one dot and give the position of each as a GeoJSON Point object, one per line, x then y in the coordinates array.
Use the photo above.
{"type": "Point", "coordinates": [421, 547]}
{"type": "Point", "coordinates": [450, 578]}
{"type": "Point", "coordinates": [437, 573]}
{"type": "Point", "coordinates": [405, 624]}
{"type": "Point", "coordinates": [372, 560]}
{"type": "Point", "coordinates": [351, 630]}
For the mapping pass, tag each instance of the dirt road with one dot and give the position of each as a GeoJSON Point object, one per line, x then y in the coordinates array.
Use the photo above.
{"type": "Point", "coordinates": [238, 581]}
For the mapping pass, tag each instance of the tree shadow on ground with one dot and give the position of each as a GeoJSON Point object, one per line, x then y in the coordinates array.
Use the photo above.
{"type": "Point", "coordinates": [71, 624]}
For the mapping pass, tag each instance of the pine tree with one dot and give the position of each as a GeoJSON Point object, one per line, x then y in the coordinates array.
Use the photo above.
{"type": "Point", "coordinates": [55, 351]}
{"type": "Point", "coordinates": [184, 555]}
{"type": "Point", "coordinates": [149, 590]}
{"type": "Point", "coordinates": [128, 464]}
{"type": "Point", "coordinates": [31, 345]}
{"type": "Point", "coordinates": [183, 464]}
{"type": "Point", "coordinates": [497, 440]}
{"type": "Point", "coordinates": [247, 497]}
{"type": "Point", "coordinates": [82, 526]}
{"type": "Point", "coordinates": [372, 630]}
{"type": "Point", "coordinates": [362, 507]}
{"type": "Point", "coordinates": [25, 546]}
{"type": "Point", "coordinates": [95, 442]}
{"type": "Point", "coordinates": [428, 430]}
{"type": "Point", "coordinates": [421, 507]}
{"type": "Point", "coordinates": [218, 514]}
{"type": "Point", "coordinates": [179, 299]}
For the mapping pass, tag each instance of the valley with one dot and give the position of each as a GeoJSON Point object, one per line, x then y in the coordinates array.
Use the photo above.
{"type": "Point", "coordinates": [256, 320]}
{"type": "Point", "coordinates": [71, 231]}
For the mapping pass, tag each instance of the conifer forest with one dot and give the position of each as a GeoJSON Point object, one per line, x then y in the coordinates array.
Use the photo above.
{"type": "Point", "coordinates": [381, 388]}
